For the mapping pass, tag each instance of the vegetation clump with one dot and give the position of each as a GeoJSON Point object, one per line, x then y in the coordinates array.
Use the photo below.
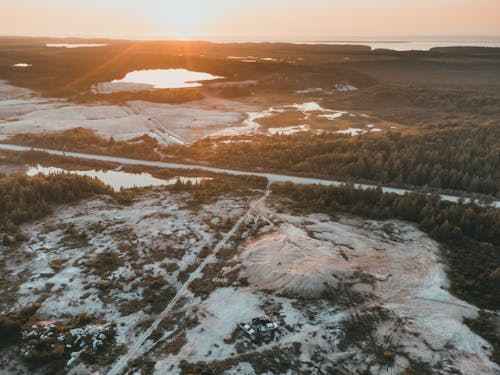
{"type": "Point", "coordinates": [11, 324]}
{"type": "Point", "coordinates": [458, 158]}
{"type": "Point", "coordinates": [52, 342]}
{"type": "Point", "coordinates": [86, 140]}
{"type": "Point", "coordinates": [105, 263]}
{"type": "Point", "coordinates": [487, 326]}
{"type": "Point", "coordinates": [29, 198]}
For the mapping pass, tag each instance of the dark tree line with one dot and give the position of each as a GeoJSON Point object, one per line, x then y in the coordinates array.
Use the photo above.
{"type": "Point", "coordinates": [85, 140]}
{"type": "Point", "coordinates": [470, 234]}
{"type": "Point", "coordinates": [27, 198]}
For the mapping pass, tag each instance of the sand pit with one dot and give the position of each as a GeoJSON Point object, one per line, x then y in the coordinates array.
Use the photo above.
{"type": "Point", "coordinates": [187, 122]}
{"type": "Point", "coordinates": [306, 258]}
{"type": "Point", "coordinates": [391, 264]}
{"type": "Point", "coordinates": [289, 262]}
{"type": "Point", "coordinates": [23, 112]}
{"type": "Point", "coordinates": [11, 92]}
{"type": "Point", "coordinates": [294, 118]}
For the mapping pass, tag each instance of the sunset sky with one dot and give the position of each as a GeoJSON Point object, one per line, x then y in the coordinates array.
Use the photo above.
{"type": "Point", "coordinates": [248, 20]}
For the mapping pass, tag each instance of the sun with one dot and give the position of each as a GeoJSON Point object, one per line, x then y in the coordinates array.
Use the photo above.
{"type": "Point", "coordinates": [184, 17]}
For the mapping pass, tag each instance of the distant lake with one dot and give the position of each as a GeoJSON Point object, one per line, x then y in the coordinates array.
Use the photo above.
{"type": "Point", "coordinates": [408, 45]}
{"type": "Point", "coordinates": [74, 45]}
{"type": "Point", "coordinates": [396, 43]}
{"type": "Point", "coordinates": [167, 78]}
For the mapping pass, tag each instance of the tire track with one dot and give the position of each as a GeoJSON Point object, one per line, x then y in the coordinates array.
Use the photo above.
{"type": "Point", "coordinates": [136, 349]}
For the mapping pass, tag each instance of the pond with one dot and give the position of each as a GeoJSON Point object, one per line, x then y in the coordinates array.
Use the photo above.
{"type": "Point", "coordinates": [167, 78]}
{"type": "Point", "coordinates": [116, 179]}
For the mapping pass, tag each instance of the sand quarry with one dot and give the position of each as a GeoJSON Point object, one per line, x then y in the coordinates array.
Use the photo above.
{"type": "Point", "coordinates": [22, 111]}
{"type": "Point", "coordinates": [316, 276]}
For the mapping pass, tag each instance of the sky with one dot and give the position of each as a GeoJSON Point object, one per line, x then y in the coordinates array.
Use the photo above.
{"type": "Point", "coordinates": [249, 19]}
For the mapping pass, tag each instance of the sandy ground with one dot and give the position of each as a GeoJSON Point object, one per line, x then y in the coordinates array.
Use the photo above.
{"type": "Point", "coordinates": [157, 222]}
{"type": "Point", "coordinates": [11, 92]}
{"type": "Point", "coordinates": [304, 117]}
{"type": "Point", "coordinates": [312, 274]}
{"type": "Point", "coordinates": [394, 265]}
{"type": "Point", "coordinates": [291, 263]}
{"type": "Point", "coordinates": [12, 169]}
{"type": "Point", "coordinates": [22, 112]}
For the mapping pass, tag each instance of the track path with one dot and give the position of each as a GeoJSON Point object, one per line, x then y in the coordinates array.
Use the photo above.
{"type": "Point", "coordinates": [136, 349]}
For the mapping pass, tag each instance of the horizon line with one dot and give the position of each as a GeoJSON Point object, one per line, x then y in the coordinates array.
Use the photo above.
{"type": "Point", "coordinates": [402, 38]}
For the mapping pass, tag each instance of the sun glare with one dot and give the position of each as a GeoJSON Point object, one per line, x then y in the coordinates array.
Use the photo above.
{"type": "Point", "coordinates": [184, 35]}
{"type": "Point", "coordinates": [184, 18]}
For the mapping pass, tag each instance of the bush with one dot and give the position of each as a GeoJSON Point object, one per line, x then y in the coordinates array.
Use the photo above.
{"type": "Point", "coordinates": [11, 324]}
{"type": "Point", "coordinates": [29, 198]}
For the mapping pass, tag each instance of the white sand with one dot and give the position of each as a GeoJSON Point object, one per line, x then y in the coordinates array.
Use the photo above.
{"type": "Point", "coordinates": [22, 112]}
{"type": "Point", "coordinates": [409, 280]}
{"type": "Point", "coordinates": [289, 130]}
{"type": "Point", "coordinates": [351, 131]}
{"type": "Point", "coordinates": [11, 92]}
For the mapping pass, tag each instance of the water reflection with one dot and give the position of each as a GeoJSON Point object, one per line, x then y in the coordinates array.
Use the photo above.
{"type": "Point", "coordinates": [116, 179]}
{"type": "Point", "coordinates": [167, 78]}
{"type": "Point", "coordinates": [74, 45]}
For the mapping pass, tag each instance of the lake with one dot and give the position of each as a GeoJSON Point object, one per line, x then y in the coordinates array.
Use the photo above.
{"type": "Point", "coordinates": [116, 179]}
{"type": "Point", "coordinates": [74, 45]}
{"type": "Point", "coordinates": [167, 78]}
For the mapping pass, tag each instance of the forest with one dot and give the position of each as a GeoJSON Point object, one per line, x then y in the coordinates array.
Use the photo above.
{"type": "Point", "coordinates": [454, 158]}
{"type": "Point", "coordinates": [85, 140]}
{"type": "Point", "coordinates": [29, 198]}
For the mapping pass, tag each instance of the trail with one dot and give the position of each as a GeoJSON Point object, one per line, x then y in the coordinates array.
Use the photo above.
{"type": "Point", "coordinates": [157, 127]}
{"type": "Point", "coordinates": [271, 177]}
{"type": "Point", "coordinates": [136, 349]}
